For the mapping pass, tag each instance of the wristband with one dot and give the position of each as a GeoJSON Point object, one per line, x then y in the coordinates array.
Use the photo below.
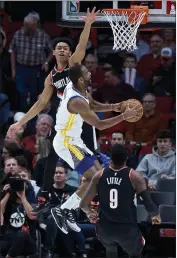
{"type": "Point", "coordinates": [148, 203]}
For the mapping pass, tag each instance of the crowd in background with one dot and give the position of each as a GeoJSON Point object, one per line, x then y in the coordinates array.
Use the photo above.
{"type": "Point", "coordinates": [146, 74]}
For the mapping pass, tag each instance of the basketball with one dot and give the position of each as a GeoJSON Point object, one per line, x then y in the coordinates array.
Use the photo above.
{"type": "Point", "coordinates": [136, 105]}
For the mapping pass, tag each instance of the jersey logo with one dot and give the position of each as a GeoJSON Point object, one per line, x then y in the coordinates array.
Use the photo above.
{"type": "Point", "coordinates": [61, 83]}
{"type": "Point", "coordinates": [115, 174]}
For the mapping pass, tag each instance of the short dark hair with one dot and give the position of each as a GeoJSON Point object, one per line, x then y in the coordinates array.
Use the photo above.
{"type": "Point", "coordinates": [13, 149]}
{"type": "Point", "coordinates": [62, 165]}
{"type": "Point", "coordinates": [75, 73]}
{"type": "Point", "coordinates": [119, 155]}
{"type": "Point", "coordinates": [22, 161]}
{"type": "Point", "coordinates": [164, 134]}
{"type": "Point", "coordinates": [130, 55]}
{"type": "Point", "coordinates": [65, 40]}
{"type": "Point", "coordinates": [113, 71]}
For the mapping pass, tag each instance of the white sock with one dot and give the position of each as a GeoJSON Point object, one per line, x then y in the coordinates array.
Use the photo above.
{"type": "Point", "coordinates": [72, 203]}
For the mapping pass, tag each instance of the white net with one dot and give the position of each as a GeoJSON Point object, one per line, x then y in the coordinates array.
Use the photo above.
{"type": "Point", "coordinates": [124, 27]}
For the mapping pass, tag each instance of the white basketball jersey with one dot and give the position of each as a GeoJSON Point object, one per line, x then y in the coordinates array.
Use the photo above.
{"type": "Point", "coordinates": [66, 123]}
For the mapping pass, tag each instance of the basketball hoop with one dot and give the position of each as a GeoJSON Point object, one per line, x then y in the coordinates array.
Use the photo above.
{"type": "Point", "coordinates": [124, 24]}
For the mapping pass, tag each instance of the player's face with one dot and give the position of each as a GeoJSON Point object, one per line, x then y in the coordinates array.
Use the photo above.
{"type": "Point", "coordinates": [62, 52]}
{"type": "Point", "coordinates": [163, 145]}
{"type": "Point", "coordinates": [86, 77]}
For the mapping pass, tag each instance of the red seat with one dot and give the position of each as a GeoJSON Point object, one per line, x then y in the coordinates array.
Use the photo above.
{"type": "Point", "coordinates": [164, 104]}
{"type": "Point", "coordinates": [145, 150]}
{"type": "Point", "coordinates": [104, 143]}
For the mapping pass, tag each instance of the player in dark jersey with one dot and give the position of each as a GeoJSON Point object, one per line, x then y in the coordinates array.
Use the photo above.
{"type": "Point", "coordinates": [116, 187]}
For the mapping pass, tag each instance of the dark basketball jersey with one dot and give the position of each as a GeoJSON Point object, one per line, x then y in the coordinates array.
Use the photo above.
{"type": "Point", "coordinates": [116, 196]}
{"type": "Point", "coordinates": [60, 80]}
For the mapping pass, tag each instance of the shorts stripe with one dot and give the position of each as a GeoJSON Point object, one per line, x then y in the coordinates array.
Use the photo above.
{"type": "Point", "coordinates": [73, 149]}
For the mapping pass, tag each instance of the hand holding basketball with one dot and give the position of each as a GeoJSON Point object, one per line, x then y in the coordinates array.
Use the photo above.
{"type": "Point", "coordinates": [91, 16]}
{"type": "Point", "coordinates": [134, 105]}
{"type": "Point", "coordinates": [119, 107]}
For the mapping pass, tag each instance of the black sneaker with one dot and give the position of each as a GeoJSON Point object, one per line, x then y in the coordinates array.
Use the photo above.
{"type": "Point", "coordinates": [70, 219]}
{"type": "Point", "coordinates": [60, 219]}
{"type": "Point", "coordinates": [42, 206]}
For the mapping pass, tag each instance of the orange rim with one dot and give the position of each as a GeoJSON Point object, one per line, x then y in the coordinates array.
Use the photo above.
{"type": "Point", "coordinates": [134, 9]}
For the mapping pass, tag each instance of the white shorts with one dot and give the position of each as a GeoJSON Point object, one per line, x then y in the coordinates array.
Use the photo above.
{"type": "Point", "coordinates": [73, 151]}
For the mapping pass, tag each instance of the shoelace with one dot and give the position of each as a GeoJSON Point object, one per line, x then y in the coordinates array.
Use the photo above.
{"type": "Point", "coordinates": [61, 214]}
{"type": "Point", "coordinates": [70, 217]}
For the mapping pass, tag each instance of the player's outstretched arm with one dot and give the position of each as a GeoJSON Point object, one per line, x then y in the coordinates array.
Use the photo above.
{"type": "Point", "coordinates": [79, 53]}
{"type": "Point", "coordinates": [36, 108]}
{"type": "Point", "coordinates": [90, 193]}
{"type": "Point", "coordinates": [80, 106]}
{"type": "Point", "coordinates": [100, 107]}
{"type": "Point", "coordinates": [139, 185]}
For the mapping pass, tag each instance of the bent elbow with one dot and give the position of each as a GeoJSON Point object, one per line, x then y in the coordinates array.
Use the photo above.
{"type": "Point", "coordinates": [100, 126]}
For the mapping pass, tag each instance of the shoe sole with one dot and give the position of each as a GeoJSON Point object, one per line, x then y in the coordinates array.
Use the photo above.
{"type": "Point", "coordinates": [62, 229]}
{"type": "Point", "coordinates": [76, 229]}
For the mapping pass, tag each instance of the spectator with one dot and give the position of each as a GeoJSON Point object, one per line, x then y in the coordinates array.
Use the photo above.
{"type": "Point", "coordinates": [60, 192]}
{"type": "Point", "coordinates": [10, 166]}
{"type": "Point", "coordinates": [164, 78]}
{"type": "Point", "coordinates": [144, 131]}
{"type": "Point", "coordinates": [169, 39]}
{"type": "Point", "coordinates": [13, 148]}
{"type": "Point", "coordinates": [161, 163]}
{"type": "Point", "coordinates": [119, 138]}
{"type": "Point", "coordinates": [43, 128]}
{"type": "Point", "coordinates": [19, 227]}
{"type": "Point", "coordinates": [113, 91]}
{"type": "Point", "coordinates": [130, 75]}
{"type": "Point", "coordinates": [28, 56]}
{"type": "Point", "coordinates": [4, 65]}
{"type": "Point", "coordinates": [142, 47]}
{"type": "Point", "coordinates": [97, 75]}
{"type": "Point", "coordinates": [148, 63]}
{"type": "Point", "coordinates": [25, 174]}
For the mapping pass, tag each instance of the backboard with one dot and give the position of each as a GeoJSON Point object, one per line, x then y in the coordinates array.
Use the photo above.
{"type": "Point", "coordinates": [162, 13]}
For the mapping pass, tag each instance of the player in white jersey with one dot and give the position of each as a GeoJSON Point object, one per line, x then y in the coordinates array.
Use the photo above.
{"type": "Point", "coordinates": [78, 106]}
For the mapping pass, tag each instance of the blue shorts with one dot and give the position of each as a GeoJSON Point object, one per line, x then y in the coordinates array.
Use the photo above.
{"type": "Point", "coordinates": [86, 163]}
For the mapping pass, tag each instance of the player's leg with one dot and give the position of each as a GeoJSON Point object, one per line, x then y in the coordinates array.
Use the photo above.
{"type": "Point", "coordinates": [105, 237]}
{"type": "Point", "coordinates": [78, 159]}
{"type": "Point", "coordinates": [131, 240]}
{"type": "Point", "coordinates": [60, 213]}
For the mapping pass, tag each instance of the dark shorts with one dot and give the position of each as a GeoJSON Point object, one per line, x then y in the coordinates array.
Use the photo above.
{"type": "Point", "coordinates": [128, 236]}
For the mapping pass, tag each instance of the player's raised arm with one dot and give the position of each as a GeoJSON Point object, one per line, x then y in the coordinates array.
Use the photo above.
{"type": "Point", "coordinates": [139, 185]}
{"type": "Point", "coordinates": [36, 108]}
{"type": "Point", "coordinates": [79, 53]}
{"type": "Point", "coordinates": [80, 106]}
